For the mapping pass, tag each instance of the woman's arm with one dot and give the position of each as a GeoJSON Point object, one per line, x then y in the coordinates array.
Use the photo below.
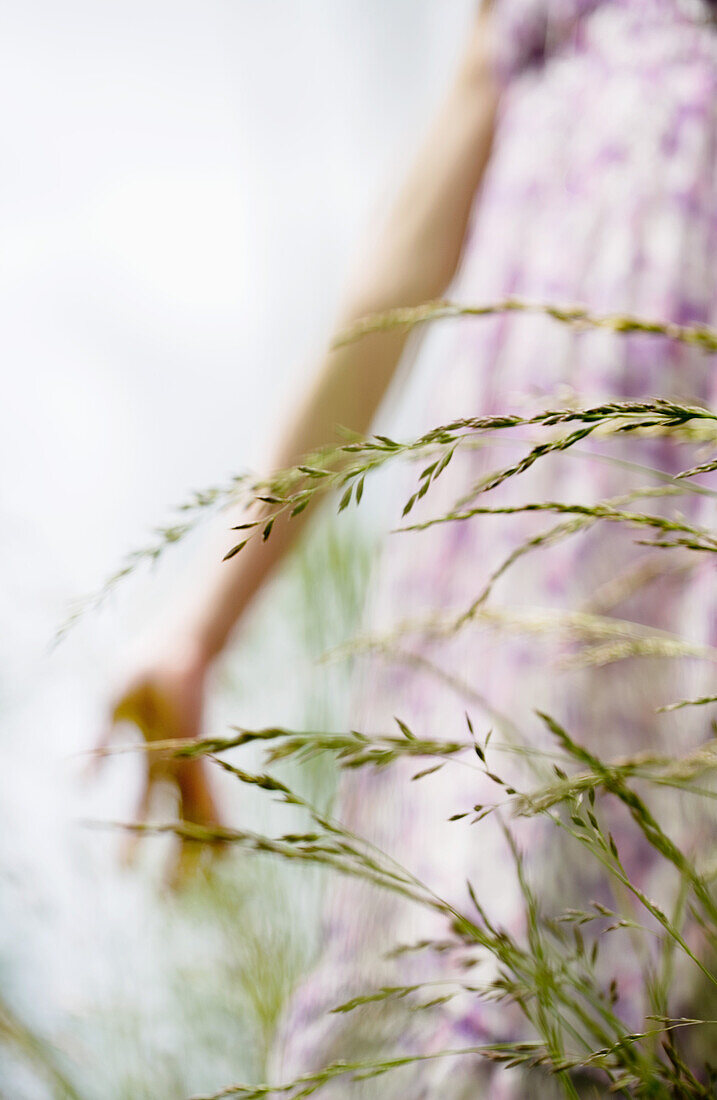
{"type": "Point", "coordinates": [411, 259]}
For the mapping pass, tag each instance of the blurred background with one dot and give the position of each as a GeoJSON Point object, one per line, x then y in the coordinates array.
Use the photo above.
{"type": "Point", "coordinates": [182, 186]}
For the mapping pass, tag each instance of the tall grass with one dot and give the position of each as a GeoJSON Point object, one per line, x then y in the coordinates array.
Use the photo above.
{"type": "Point", "coordinates": [550, 974]}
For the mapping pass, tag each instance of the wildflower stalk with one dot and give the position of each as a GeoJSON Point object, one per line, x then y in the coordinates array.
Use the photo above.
{"type": "Point", "coordinates": [553, 981]}
{"type": "Point", "coordinates": [700, 336]}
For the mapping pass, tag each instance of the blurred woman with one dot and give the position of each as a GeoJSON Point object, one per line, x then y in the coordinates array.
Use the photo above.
{"type": "Point", "coordinates": [574, 160]}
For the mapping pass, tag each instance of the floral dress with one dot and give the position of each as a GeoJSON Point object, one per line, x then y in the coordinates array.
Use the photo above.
{"type": "Point", "coordinates": [601, 190]}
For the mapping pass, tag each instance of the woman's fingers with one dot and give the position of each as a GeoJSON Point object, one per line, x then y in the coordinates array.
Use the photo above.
{"type": "Point", "coordinates": [131, 839]}
{"type": "Point", "coordinates": [196, 799]}
{"type": "Point", "coordinates": [96, 756]}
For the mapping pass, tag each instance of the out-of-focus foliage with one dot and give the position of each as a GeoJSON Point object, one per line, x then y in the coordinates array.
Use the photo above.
{"type": "Point", "coordinates": [550, 974]}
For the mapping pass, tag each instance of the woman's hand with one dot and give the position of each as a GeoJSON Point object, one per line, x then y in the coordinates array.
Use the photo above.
{"type": "Point", "coordinates": [164, 700]}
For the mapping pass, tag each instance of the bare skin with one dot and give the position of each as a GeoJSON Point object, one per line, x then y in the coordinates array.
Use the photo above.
{"type": "Point", "coordinates": [411, 260]}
